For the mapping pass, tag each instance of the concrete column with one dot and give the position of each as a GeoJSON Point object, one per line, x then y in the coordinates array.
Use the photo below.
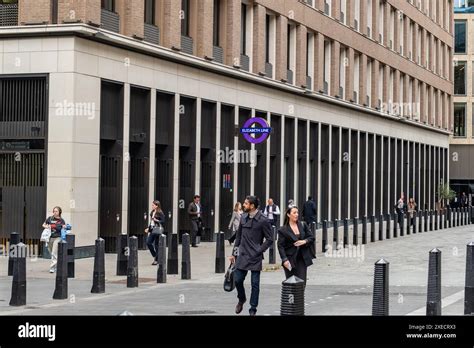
{"type": "Point", "coordinates": [424, 46]}
{"type": "Point", "coordinates": [295, 162]}
{"type": "Point", "coordinates": [386, 24]}
{"type": "Point", "coordinates": [336, 9]}
{"type": "Point", "coordinates": [319, 171]}
{"type": "Point", "coordinates": [348, 176]}
{"type": "Point", "coordinates": [281, 47]}
{"type": "Point", "coordinates": [177, 103]}
{"type": "Point", "coordinates": [151, 181]}
{"type": "Point", "coordinates": [374, 90]}
{"type": "Point", "coordinates": [386, 87]}
{"type": "Point", "coordinates": [85, 10]}
{"type": "Point", "coordinates": [363, 19]}
{"type": "Point", "coordinates": [349, 83]}
{"type": "Point", "coordinates": [252, 168]}
{"type": "Point", "coordinates": [282, 168]}
{"type": "Point", "coordinates": [375, 19]}
{"type": "Point", "coordinates": [350, 12]}
{"type": "Point", "coordinates": [131, 17]}
{"type": "Point", "coordinates": [236, 146]}
{"type": "Point", "coordinates": [335, 57]}
{"type": "Point", "coordinates": [197, 174]}
{"type": "Point", "coordinates": [389, 176]}
{"type": "Point", "coordinates": [126, 156]}
{"type": "Point", "coordinates": [366, 172]}
{"type": "Point", "coordinates": [339, 180]}
{"type": "Point", "coordinates": [330, 217]}
{"type": "Point", "coordinates": [267, 159]}
{"type": "Point", "coordinates": [204, 37]}
{"type": "Point", "coordinates": [231, 45]}
{"type": "Point", "coordinates": [170, 30]}
{"type": "Point", "coordinates": [301, 54]}
{"type": "Point", "coordinates": [308, 150]}
{"type": "Point", "coordinates": [318, 62]}
{"type": "Point", "coordinates": [259, 17]}
{"type": "Point", "coordinates": [429, 176]}
{"type": "Point", "coordinates": [217, 181]}
{"type": "Point", "coordinates": [358, 173]}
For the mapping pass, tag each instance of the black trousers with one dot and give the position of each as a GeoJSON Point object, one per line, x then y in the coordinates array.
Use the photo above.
{"type": "Point", "coordinates": [194, 231]}
{"type": "Point", "coordinates": [299, 270]}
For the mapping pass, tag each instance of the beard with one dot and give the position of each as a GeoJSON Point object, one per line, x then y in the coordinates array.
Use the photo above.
{"type": "Point", "coordinates": [246, 209]}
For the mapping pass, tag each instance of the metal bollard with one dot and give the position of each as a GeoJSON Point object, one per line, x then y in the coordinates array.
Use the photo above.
{"type": "Point", "coordinates": [313, 230]}
{"type": "Point", "coordinates": [380, 301]}
{"type": "Point", "coordinates": [272, 249]}
{"type": "Point", "coordinates": [465, 215]}
{"type": "Point", "coordinates": [408, 224]}
{"type": "Point", "coordinates": [14, 240]}
{"type": "Point", "coordinates": [292, 296]}
{"type": "Point", "coordinates": [436, 220]}
{"type": "Point", "coordinates": [445, 218]}
{"type": "Point", "coordinates": [431, 220]}
{"type": "Point", "coordinates": [372, 229]}
{"type": "Point", "coordinates": [402, 225]}
{"type": "Point", "coordinates": [458, 217]}
{"type": "Point", "coordinates": [471, 216]}
{"type": "Point", "coordinates": [161, 271]}
{"type": "Point", "coordinates": [414, 222]}
{"type": "Point", "coordinates": [449, 217]}
{"type": "Point", "coordinates": [364, 230]}
{"type": "Point", "coordinates": [132, 264]}
{"type": "Point", "coordinates": [60, 291]}
{"type": "Point", "coordinates": [355, 231]}
{"type": "Point", "coordinates": [98, 278]}
{"type": "Point", "coordinates": [387, 227]}
{"type": "Point", "coordinates": [336, 233]}
{"type": "Point", "coordinates": [426, 221]}
{"type": "Point", "coordinates": [325, 236]}
{"type": "Point", "coordinates": [186, 259]}
{"type": "Point", "coordinates": [461, 216]}
{"type": "Point", "coordinates": [469, 285]}
{"type": "Point", "coordinates": [220, 253]}
{"type": "Point", "coordinates": [420, 221]}
{"type": "Point", "coordinates": [18, 297]}
{"type": "Point", "coordinates": [381, 227]}
{"type": "Point", "coordinates": [395, 225]}
{"type": "Point", "coordinates": [433, 303]}
{"type": "Point", "coordinates": [173, 254]}
{"type": "Point", "coordinates": [346, 232]}
{"type": "Point", "coordinates": [71, 244]}
{"type": "Point", "coordinates": [122, 254]}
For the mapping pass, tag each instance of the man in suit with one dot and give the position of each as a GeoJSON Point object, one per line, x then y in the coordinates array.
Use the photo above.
{"type": "Point", "coordinates": [195, 211]}
{"type": "Point", "coordinates": [309, 211]}
{"type": "Point", "coordinates": [272, 212]}
{"type": "Point", "coordinates": [248, 251]}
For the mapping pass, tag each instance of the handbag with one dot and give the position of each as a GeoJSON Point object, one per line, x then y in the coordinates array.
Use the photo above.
{"type": "Point", "coordinates": [229, 283]}
{"type": "Point", "coordinates": [158, 230]}
{"type": "Point", "coordinates": [45, 235]}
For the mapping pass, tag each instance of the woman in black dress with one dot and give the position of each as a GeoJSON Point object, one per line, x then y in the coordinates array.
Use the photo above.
{"type": "Point", "coordinates": [157, 218]}
{"type": "Point", "coordinates": [295, 244]}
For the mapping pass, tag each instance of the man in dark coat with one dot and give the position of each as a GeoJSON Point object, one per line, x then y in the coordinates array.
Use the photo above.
{"type": "Point", "coordinates": [194, 212]}
{"type": "Point", "coordinates": [248, 251]}
{"type": "Point", "coordinates": [309, 211]}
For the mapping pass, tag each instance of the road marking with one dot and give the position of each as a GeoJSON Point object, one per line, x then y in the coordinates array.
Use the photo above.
{"type": "Point", "coordinates": [445, 302]}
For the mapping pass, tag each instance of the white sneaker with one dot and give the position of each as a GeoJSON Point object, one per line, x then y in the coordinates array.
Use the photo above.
{"type": "Point", "coordinates": [51, 271]}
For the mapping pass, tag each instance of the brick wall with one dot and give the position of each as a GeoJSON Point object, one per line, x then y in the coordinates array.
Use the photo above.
{"type": "Point", "coordinates": [34, 11]}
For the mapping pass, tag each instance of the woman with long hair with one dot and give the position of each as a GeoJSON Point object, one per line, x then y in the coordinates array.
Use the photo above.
{"type": "Point", "coordinates": [157, 219]}
{"type": "Point", "coordinates": [295, 245]}
{"type": "Point", "coordinates": [412, 208]}
{"type": "Point", "coordinates": [55, 223]}
{"type": "Point", "coordinates": [235, 221]}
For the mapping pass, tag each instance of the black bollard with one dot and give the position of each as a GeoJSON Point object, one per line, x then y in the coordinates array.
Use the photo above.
{"type": "Point", "coordinates": [313, 230]}
{"type": "Point", "coordinates": [364, 230]}
{"type": "Point", "coordinates": [220, 253]}
{"type": "Point", "coordinates": [18, 256]}
{"type": "Point", "coordinates": [408, 224]}
{"type": "Point", "coordinates": [98, 278]}
{"type": "Point", "coordinates": [355, 231]}
{"type": "Point", "coordinates": [441, 218]}
{"type": "Point", "coordinates": [433, 303]}
{"type": "Point", "coordinates": [381, 227]}
{"type": "Point", "coordinates": [395, 225]}
{"type": "Point", "coordinates": [132, 264]}
{"type": "Point", "coordinates": [324, 242]}
{"type": "Point", "coordinates": [431, 220]}
{"type": "Point", "coordinates": [387, 227]}
{"type": "Point", "coordinates": [402, 224]}
{"type": "Point", "coordinates": [161, 272]}
{"type": "Point", "coordinates": [60, 292]}
{"type": "Point", "coordinates": [461, 216]}
{"type": "Point", "coordinates": [436, 220]}
{"type": "Point", "coordinates": [14, 240]}
{"type": "Point", "coordinates": [471, 212]}
{"type": "Point", "coordinates": [186, 259]}
{"type": "Point", "coordinates": [372, 229]}
{"type": "Point", "coordinates": [465, 215]}
{"type": "Point", "coordinates": [445, 218]}
{"type": "Point", "coordinates": [71, 244]}
{"type": "Point", "coordinates": [426, 221]}
{"type": "Point", "coordinates": [415, 213]}
{"type": "Point", "coordinates": [122, 254]}
{"type": "Point", "coordinates": [380, 302]}
{"type": "Point", "coordinates": [453, 218]}
{"type": "Point", "coordinates": [458, 217]}
{"type": "Point", "coordinates": [469, 286]}
{"type": "Point", "coordinates": [292, 296]}
{"type": "Point", "coordinates": [420, 221]}
{"type": "Point", "coordinates": [346, 233]}
{"type": "Point", "coordinates": [272, 249]}
{"type": "Point", "coordinates": [173, 254]}
{"type": "Point", "coordinates": [336, 234]}
{"type": "Point", "coordinates": [449, 218]}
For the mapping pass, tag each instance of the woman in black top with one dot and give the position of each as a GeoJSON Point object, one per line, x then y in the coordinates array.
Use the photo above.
{"type": "Point", "coordinates": [55, 223]}
{"type": "Point", "coordinates": [157, 218]}
{"type": "Point", "coordinates": [295, 241]}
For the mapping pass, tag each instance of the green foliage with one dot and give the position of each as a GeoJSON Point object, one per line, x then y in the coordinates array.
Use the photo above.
{"type": "Point", "coordinates": [445, 192]}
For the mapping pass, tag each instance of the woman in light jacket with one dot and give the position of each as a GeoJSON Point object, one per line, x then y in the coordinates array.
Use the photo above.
{"type": "Point", "coordinates": [295, 241]}
{"type": "Point", "coordinates": [235, 221]}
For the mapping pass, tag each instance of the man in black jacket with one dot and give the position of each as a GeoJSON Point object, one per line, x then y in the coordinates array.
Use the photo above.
{"type": "Point", "coordinates": [248, 251]}
{"type": "Point", "coordinates": [194, 211]}
{"type": "Point", "coordinates": [309, 211]}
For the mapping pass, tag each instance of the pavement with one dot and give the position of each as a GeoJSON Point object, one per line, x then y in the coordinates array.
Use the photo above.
{"type": "Point", "coordinates": [339, 283]}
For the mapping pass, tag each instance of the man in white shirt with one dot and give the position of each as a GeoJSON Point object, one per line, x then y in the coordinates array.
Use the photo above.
{"type": "Point", "coordinates": [272, 212]}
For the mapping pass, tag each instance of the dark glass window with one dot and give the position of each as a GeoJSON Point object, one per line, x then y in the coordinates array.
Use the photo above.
{"type": "Point", "coordinates": [460, 78]}
{"type": "Point", "coordinates": [243, 30]}
{"type": "Point", "coordinates": [288, 42]}
{"type": "Point", "coordinates": [459, 119]}
{"type": "Point", "coordinates": [185, 19]}
{"type": "Point", "coordinates": [216, 23]}
{"type": "Point", "coordinates": [108, 5]}
{"type": "Point", "coordinates": [459, 36]}
{"type": "Point", "coordinates": [267, 38]}
{"type": "Point", "coordinates": [150, 11]}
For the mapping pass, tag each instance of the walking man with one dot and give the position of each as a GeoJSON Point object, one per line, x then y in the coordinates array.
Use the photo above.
{"type": "Point", "coordinates": [272, 212]}
{"type": "Point", "coordinates": [248, 251]}
{"type": "Point", "coordinates": [194, 211]}
{"type": "Point", "coordinates": [309, 211]}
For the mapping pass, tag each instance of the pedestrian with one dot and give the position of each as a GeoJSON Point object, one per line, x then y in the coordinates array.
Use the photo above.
{"type": "Point", "coordinates": [401, 208]}
{"type": "Point", "coordinates": [195, 211]}
{"type": "Point", "coordinates": [235, 221]}
{"type": "Point", "coordinates": [295, 245]}
{"type": "Point", "coordinates": [248, 251]}
{"type": "Point", "coordinates": [309, 211]}
{"type": "Point", "coordinates": [157, 219]}
{"type": "Point", "coordinates": [272, 212]}
{"type": "Point", "coordinates": [55, 223]}
{"type": "Point", "coordinates": [412, 208]}
{"type": "Point", "coordinates": [463, 200]}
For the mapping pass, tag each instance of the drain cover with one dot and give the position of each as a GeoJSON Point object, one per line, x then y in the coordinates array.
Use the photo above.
{"type": "Point", "coordinates": [196, 312]}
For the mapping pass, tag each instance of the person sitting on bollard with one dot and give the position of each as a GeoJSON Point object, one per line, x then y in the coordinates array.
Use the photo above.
{"type": "Point", "coordinates": [55, 223]}
{"type": "Point", "coordinates": [235, 221]}
{"type": "Point", "coordinates": [295, 245]}
{"type": "Point", "coordinates": [412, 208]}
{"type": "Point", "coordinates": [157, 219]}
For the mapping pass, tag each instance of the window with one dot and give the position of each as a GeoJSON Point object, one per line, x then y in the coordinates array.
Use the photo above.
{"type": "Point", "coordinates": [185, 19]}
{"type": "Point", "coordinates": [401, 88]}
{"type": "Point", "coordinates": [108, 5]}
{"type": "Point", "coordinates": [369, 82]}
{"type": "Point", "coordinates": [356, 14]}
{"type": "Point", "coordinates": [288, 47]}
{"type": "Point", "coordinates": [356, 76]}
{"type": "Point", "coordinates": [381, 20]}
{"type": "Point", "coordinates": [243, 30]}
{"type": "Point", "coordinates": [267, 38]}
{"type": "Point", "coordinates": [327, 65]}
{"type": "Point", "coordinates": [381, 85]}
{"type": "Point", "coordinates": [216, 22]}
{"type": "Point", "coordinates": [390, 92]}
{"type": "Point", "coordinates": [150, 11]}
{"type": "Point", "coordinates": [401, 28]}
{"type": "Point", "coordinates": [369, 17]}
{"type": "Point", "coordinates": [343, 11]}
{"type": "Point", "coordinates": [459, 36]}
{"type": "Point", "coordinates": [459, 119]}
{"type": "Point", "coordinates": [392, 29]}
{"type": "Point", "coordinates": [460, 78]}
{"type": "Point", "coordinates": [342, 71]}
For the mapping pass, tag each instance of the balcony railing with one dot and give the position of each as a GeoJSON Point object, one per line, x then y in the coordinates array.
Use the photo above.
{"type": "Point", "coordinates": [8, 15]}
{"type": "Point", "coordinates": [152, 33]}
{"type": "Point", "coordinates": [110, 20]}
